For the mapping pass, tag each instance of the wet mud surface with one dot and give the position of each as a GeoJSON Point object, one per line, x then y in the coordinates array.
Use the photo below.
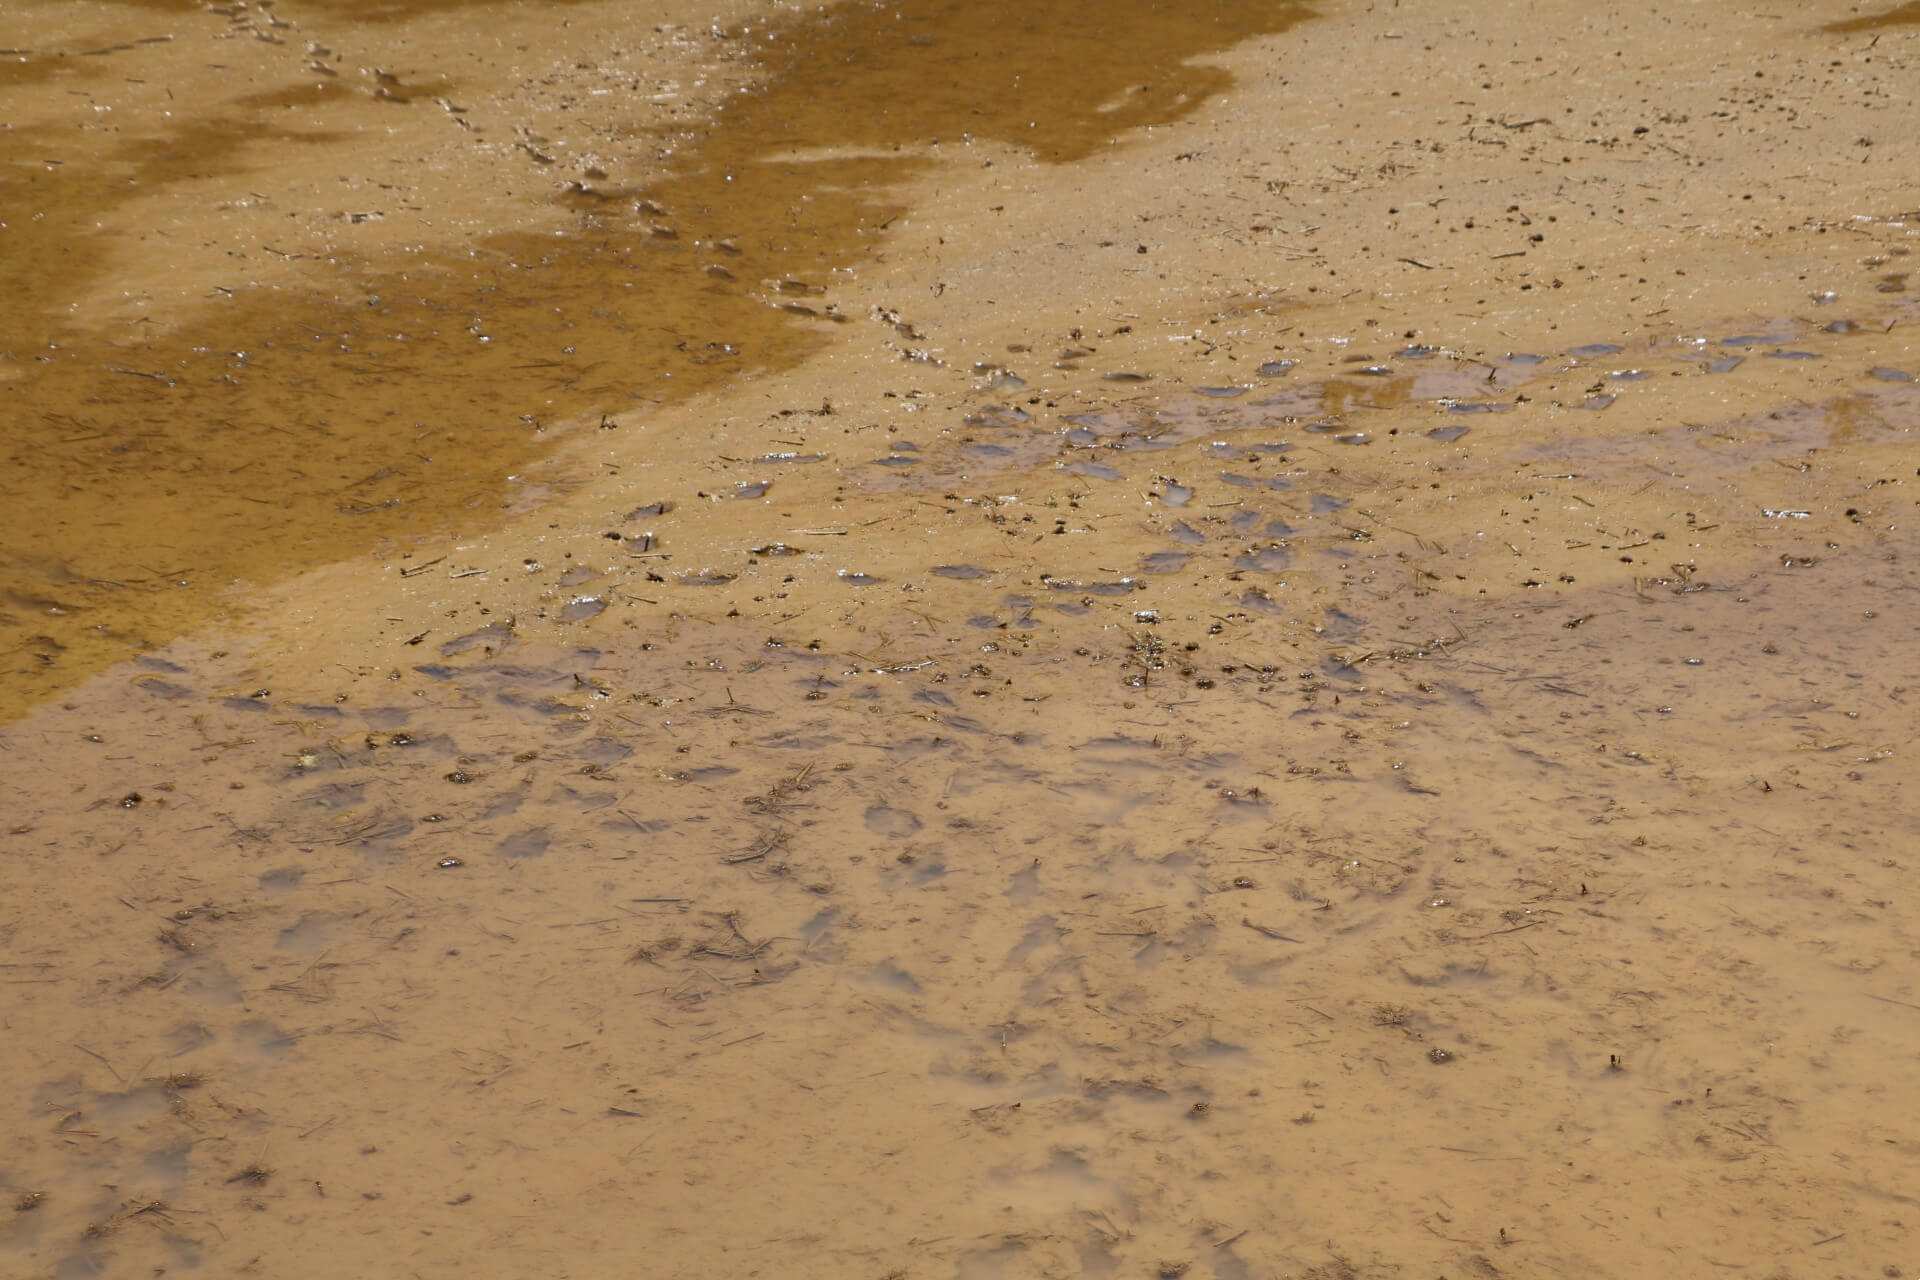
{"type": "Point", "coordinates": [1151, 736]}
{"type": "Point", "coordinates": [1013, 955]}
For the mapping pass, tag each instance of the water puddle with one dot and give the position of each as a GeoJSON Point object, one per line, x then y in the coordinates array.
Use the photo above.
{"type": "Point", "coordinates": [1075, 826]}
{"type": "Point", "coordinates": [274, 427]}
{"type": "Point", "coordinates": [1900, 15]}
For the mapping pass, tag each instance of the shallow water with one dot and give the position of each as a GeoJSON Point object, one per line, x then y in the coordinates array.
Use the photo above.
{"type": "Point", "coordinates": [1230, 890]}
{"type": "Point", "coordinates": [1030, 822]}
{"type": "Point", "coordinates": [271, 425]}
{"type": "Point", "coordinates": [1058, 935]}
{"type": "Point", "coordinates": [1020, 952]}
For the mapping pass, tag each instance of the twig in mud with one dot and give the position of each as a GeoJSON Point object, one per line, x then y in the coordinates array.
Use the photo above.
{"type": "Point", "coordinates": [1890, 1000]}
{"type": "Point", "coordinates": [1497, 932]}
{"type": "Point", "coordinates": [753, 948]}
{"type": "Point", "coordinates": [1264, 931]}
{"type": "Point", "coordinates": [769, 842]}
{"type": "Point", "coordinates": [103, 1062]}
{"type": "Point", "coordinates": [300, 988]}
{"type": "Point", "coordinates": [408, 571]}
{"type": "Point", "coordinates": [704, 950]}
{"type": "Point", "coordinates": [132, 1209]}
{"type": "Point", "coordinates": [776, 796]}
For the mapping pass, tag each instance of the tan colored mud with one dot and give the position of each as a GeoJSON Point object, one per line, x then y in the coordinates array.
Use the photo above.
{"type": "Point", "coordinates": [1243, 716]}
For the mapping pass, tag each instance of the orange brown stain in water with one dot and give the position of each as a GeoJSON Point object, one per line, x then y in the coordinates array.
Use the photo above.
{"type": "Point", "coordinates": [150, 469]}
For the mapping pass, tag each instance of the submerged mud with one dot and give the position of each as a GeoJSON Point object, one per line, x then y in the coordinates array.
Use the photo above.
{"type": "Point", "coordinates": [373, 397]}
{"type": "Point", "coordinates": [1241, 894]}
{"type": "Point", "coordinates": [1212, 728]}
{"type": "Point", "coordinates": [1097, 948]}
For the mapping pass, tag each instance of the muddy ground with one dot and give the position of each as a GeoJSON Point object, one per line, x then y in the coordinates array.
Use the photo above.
{"type": "Point", "coordinates": [958, 640]}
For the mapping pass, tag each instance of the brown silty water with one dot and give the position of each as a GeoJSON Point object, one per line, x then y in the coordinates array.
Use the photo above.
{"type": "Point", "coordinates": [381, 396]}
{"type": "Point", "coordinates": [1247, 793]}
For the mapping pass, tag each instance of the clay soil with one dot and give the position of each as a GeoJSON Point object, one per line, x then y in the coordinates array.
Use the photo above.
{"type": "Point", "coordinates": [959, 640]}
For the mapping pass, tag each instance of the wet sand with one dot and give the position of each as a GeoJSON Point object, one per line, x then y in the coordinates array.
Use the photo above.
{"type": "Point", "coordinates": [1301, 669]}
